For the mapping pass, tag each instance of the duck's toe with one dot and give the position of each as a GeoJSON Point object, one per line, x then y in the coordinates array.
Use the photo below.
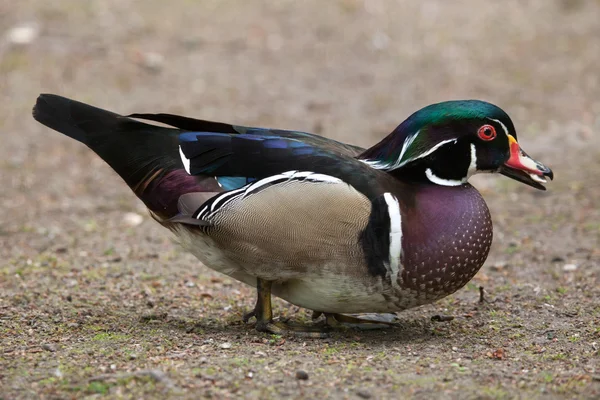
{"type": "Point", "coordinates": [283, 328]}
{"type": "Point", "coordinates": [361, 321]}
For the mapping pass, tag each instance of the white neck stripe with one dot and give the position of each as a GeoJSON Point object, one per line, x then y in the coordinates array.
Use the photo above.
{"type": "Point", "coordinates": [501, 124]}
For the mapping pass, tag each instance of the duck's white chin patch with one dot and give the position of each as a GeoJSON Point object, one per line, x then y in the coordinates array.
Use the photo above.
{"type": "Point", "coordinates": [537, 178]}
{"type": "Point", "coordinates": [441, 181]}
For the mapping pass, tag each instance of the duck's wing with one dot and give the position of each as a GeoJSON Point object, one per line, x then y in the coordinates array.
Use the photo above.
{"type": "Point", "coordinates": [198, 125]}
{"type": "Point", "coordinates": [238, 155]}
{"type": "Point", "coordinates": [298, 219]}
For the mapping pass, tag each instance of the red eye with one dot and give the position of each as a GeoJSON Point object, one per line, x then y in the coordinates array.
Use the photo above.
{"type": "Point", "coordinates": [487, 132]}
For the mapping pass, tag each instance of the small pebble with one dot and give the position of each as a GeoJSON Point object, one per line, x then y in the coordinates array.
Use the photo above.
{"type": "Point", "coordinates": [499, 265]}
{"type": "Point", "coordinates": [380, 40]}
{"type": "Point", "coordinates": [132, 219]}
{"type": "Point", "coordinates": [301, 375]}
{"type": "Point", "coordinates": [49, 347]}
{"type": "Point", "coordinates": [569, 267]}
{"type": "Point", "coordinates": [364, 394]}
{"type": "Point", "coordinates": [153, 61]}
{"type": "Point", "coordinates": [225, 345]}
{"type": "Point", "coordinates": [23, 34]}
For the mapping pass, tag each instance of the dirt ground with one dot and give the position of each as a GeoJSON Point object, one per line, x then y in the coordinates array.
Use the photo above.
{"type": "Point", "coordinates": [96, 300]}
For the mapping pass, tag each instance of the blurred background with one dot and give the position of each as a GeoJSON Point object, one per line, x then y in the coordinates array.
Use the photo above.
{"type": "Point", "coordinates": [347, 69]}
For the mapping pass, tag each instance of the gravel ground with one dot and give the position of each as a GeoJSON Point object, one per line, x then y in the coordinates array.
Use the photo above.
{"type": "Point", "coordinates": [97, 301]}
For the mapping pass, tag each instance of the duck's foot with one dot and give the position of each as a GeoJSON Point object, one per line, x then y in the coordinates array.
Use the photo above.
{"type": "Point", "coordinates": [361, 322]}
{"type": "Point", "coordinates": [283, 328]}
{"type": "Point", "coordinates": [264, 317]}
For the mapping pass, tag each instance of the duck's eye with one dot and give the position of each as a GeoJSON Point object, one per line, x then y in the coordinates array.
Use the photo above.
{"type": "Point", "coordinates": [487, 132]}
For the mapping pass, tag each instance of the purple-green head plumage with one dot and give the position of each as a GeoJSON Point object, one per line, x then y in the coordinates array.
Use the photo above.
{"type": "Point", "coordinates": [432, 125]}
{"type": "Point", "coordinates": [446, 143]}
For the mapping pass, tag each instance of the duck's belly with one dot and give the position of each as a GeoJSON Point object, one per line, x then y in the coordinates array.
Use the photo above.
{"type": "Point", "coordinates": [342, 294]}
{"type": "Point", "coordinates": [327, 287]}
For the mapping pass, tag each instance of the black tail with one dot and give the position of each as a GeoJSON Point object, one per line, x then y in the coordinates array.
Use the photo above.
{"type": "Point", "coordinates": [138, 152]}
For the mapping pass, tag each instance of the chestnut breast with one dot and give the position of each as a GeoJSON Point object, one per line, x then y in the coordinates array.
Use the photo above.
{"type": "Point", "coordinates": [447, 234]}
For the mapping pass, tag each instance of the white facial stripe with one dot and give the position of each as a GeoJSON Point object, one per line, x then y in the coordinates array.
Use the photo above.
{"type": "Point", "coordinates": [185, 161]}
{"type": "Point", "coordinates": [405, 146]}
{"type": "Point", "coordinates": [390, 166]}
{"type": "Point", "coordinates": [395, 236]}
{"type": "Point", "coordinates": [397, 164]}
{"type": "Point", "coordinates": [428, 152]}
{"type": "Point", "coordinates": [471, 170]}
{"type": "Point", "coordinates": [501, 124]}
{"type": "Point", "coordinates": [375, 164]}
{"type": "Point", "coordinates": [441, 181]}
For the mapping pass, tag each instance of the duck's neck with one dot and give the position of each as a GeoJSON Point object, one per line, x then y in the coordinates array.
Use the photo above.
{"type": "Point", "coordinates": [422, 173]}
{"type": "Point", "coordinates": [448, 163]}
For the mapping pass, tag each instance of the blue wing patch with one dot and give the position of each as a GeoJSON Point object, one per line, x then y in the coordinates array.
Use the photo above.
{"type": "Point", "coordinates": [244, 155]}
{"type": "Point", "coordinates": [234, 182]}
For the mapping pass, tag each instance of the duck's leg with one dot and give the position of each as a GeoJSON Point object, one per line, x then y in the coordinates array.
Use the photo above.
{"type": "Point", "coordinates": [264, 316]}
{"type": "Point", "coordinates": [262, 310]}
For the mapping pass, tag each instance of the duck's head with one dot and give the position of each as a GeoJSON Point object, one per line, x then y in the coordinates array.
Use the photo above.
{"type": "Point", "coordinates": [446, 143]}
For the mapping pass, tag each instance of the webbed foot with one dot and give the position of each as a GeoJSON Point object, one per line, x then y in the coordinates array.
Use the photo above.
{"type": "Point", "coordinates": [264, 317]}
{"type": "Point", "coordinates": [361, 322]}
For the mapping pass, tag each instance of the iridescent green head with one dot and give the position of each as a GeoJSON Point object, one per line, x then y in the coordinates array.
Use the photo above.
{"type": "Point", "coordinates": [446, 143]}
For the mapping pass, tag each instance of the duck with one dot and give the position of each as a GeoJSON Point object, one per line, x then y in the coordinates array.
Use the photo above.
{"type": "Point", "coordinates": [324, 225]}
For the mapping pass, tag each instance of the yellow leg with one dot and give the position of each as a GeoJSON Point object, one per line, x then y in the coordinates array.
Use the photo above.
{"type": "Point", "coordinates": [264, 316]}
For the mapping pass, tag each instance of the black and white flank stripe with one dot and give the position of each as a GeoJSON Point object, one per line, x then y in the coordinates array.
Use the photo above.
{"type": "Point", "coordinates": [381, 240]}
{"type": "Point", "coordinates": [212, 206]}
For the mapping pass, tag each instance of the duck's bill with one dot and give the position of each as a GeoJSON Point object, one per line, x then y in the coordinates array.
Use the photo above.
{"type": "Point", "coordinates": [525, 169]}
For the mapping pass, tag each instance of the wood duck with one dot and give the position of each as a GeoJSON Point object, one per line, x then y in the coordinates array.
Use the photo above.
{"type": "Point", "coordinates": [325, 225]}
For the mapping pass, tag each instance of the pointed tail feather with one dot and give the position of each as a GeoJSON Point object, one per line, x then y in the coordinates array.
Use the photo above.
{"type": "Point", "coordinates": [145, 156]}
{"type": "Point", "coordinates": [135, 150]}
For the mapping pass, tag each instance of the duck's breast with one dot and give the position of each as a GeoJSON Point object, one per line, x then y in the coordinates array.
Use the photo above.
{"type": "Point", "coordinates": [447, 234]}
